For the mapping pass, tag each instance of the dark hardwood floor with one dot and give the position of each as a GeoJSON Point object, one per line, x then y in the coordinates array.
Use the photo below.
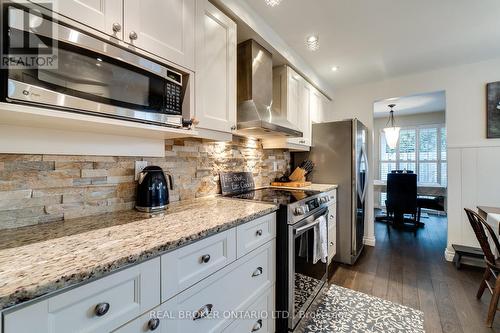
{"type": "Point", "coordinates": [412, 271]}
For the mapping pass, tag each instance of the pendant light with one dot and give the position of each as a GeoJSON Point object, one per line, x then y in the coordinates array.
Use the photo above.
{"type": "Point", "coordinates": [392, 132]}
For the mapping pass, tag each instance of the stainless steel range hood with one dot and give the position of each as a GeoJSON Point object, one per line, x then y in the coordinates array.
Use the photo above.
{"type": "Point", "coordinates": [256, 117]}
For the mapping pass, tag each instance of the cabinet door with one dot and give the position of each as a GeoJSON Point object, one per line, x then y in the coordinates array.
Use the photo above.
{"type": "Point", "coordinates": [303, 106]}
{"type": "Point", "coordinates": [215, 68]}
{"type": "Point", "coordinates": [162, 27]}
{"type": "Point", "coordinates": [98, 14]}
{"type": "Point", "coordinates": [293, 97]}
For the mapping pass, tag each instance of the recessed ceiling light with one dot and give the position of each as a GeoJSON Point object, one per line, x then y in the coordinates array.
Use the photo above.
{"type": "Point", "coordinates": [273, 3]}
{"type": "Point", "coordinates": [312, 42]}
{"type": "Point", "coordinates": [335, 68]}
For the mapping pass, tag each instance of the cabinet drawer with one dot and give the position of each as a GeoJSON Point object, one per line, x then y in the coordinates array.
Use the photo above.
{"type": "Point", "coordinates": [127, 294]}
{"type": "Point", "coordinates": [231, 289]}
{"type": "Point", "coordinates": [253, 234]}
{"type": "Point", "coordinates": [186, 266]}
{"type": "Point", "coordinates": [261, 320]}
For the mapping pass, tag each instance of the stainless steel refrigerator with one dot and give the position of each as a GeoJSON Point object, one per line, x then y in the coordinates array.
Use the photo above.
{"type": "Point", "coordinates": [339, 152]}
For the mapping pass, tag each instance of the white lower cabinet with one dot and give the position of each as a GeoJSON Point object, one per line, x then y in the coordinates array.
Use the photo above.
{"type": "Point", "coordinates": [182, 291]}
{"type": "Point", "coordinates": [206, 307]}
{"type": "Point", "coordinates": [258, 317]}
{"type": "Point", "coordinates": [186, 266]}
{"type": "Point", "coordinates": [332, 226]}
{"type": "Point", "coordinates": [99, 306]}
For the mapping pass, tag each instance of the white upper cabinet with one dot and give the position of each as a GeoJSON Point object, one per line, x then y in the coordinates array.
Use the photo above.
{"type": "Point", "coordinates": [319, 104]}
{"type": "Point", "coordinates": [292, 98]}
{"type": "Point", "coordinates": [304, 103]}
{"type": "Point", "coordinates": [215, 68]}
{"type": "Point", "coordinates": [103, 15]}
{"type": "Point", "coordinates": [162, 27]}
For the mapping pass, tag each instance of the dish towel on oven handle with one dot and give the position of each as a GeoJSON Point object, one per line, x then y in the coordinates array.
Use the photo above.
{"type": "Point", "coordinates": [320, 249]}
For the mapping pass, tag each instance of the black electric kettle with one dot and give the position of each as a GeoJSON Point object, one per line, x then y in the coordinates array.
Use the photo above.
{"type": "Point", "coordinates": [152, 189]}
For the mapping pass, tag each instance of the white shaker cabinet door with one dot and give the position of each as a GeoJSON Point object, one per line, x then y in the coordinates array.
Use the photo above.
{"type": "Point", "coordinates": [215, 68]}
{"type": "Point", "coordinates": [162, 27]}
{"type": "Point", "coordinates": [102, 15]}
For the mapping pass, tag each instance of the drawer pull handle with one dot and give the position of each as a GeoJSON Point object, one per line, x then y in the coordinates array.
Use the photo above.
{"type": "Point", "coordinates": [331, 216]}
{"type": "Point", "coordinates": [331, 243]}
{"type": "Point", "coordinates": [205, 258]}
{"type": "Point", "coordinates": [101, 309]}
{"type": "Point", "coordinates": [153, 324]}
{"type": "Point", "coordinates": [203, 312]}
{"type": "Point", "coordinates": [259, 232]}
{"type": "Point", "coordinates": [257, 326]}
{"type": "Point", "coordinates": [257, 272]}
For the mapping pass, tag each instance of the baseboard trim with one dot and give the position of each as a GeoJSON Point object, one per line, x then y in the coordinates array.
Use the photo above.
{"type": "Point", "coordinates": [370, 241]}
{"type": "Point", "coordinates": [449, 254]}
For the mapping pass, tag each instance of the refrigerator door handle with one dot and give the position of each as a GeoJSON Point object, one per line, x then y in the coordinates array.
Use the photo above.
{"type": "Point", "coordinates": [362, 191]}
{"type": "Point", "coordinates": [365, 187]}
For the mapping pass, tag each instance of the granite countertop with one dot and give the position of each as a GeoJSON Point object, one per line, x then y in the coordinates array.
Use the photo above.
{"type": "Point", "coordinates": [40, 259]}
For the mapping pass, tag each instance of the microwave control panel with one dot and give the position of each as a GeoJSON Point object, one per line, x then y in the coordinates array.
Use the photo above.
{"type": "Point", "coordinates": [173, 93]}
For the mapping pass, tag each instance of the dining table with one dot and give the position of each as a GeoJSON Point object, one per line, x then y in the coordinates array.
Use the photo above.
{"type": "Point", "coordinates": [427, 189]}
{"type": "Point", "coordinates": [492, 216]}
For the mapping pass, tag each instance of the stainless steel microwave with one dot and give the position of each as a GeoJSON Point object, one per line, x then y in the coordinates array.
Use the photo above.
{"type": "Point", "coordinates": [50, 64]}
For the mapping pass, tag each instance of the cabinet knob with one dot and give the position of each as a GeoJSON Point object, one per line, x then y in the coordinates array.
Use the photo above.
{"type": "Point", "coordinates": [101, 309]}
{"type": "Point", "coordinates": [259, 232]}
{"type": "Point", "coordinates": [117, 27]}
{"type": "Point", "coordinates": [233, 128]}
{"type": "Point", "coordinates": [133, 35]}
{"type": "Point", "coordinates": [257, 326]}
{"type": "Point", "coordinates": [153, 324]}
{"type": "Point", "coordinates": [302, 141]}
{"type": "Point", "coordinates": [203, 312]}
{"type": "Point", "coordinates": [205, 258]}
{"type": "Point", "coordinates": [257, 272]}
{"type": "Point", "coordinates": [331, 216]}
{"type": "Point", "coordinates": [331, 243]}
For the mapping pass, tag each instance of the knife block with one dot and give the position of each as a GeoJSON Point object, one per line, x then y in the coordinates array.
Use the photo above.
{"type": "Point", "coordinates": [298, 175]}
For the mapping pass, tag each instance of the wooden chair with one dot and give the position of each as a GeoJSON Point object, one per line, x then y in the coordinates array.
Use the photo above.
{"type": "Point", "coordinates": [493, 266]}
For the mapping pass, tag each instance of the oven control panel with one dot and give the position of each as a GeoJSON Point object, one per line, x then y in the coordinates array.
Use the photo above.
{"type": "Point", "coordinates": [304, 207]}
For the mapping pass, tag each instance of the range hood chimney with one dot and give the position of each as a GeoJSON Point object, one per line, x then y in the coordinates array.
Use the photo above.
{"type": "Point", "coordinates": [256, 117]}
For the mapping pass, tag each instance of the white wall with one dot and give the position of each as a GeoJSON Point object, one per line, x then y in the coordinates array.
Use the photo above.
{"type": "Point", "coordinates": [473, 160]}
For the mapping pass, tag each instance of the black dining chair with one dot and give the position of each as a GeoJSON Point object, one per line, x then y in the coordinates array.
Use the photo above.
{"type": "Point", "coordinates": [479, 225]}
{"type": "Point", "coordinates": [401, 199]}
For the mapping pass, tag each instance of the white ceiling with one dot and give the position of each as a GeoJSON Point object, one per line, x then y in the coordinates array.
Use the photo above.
{"type": "Point", "coordinates": [408, 105]}
{"type": "Point", "coordinates": [374, 40]}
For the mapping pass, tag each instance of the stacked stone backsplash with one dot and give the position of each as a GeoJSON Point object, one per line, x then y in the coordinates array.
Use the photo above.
{"type": "Point", "coordinates": [46, 188]}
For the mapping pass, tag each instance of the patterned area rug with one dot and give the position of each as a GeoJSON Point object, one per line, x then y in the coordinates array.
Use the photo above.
{"type": "Point", "coordinates": [345, 310]}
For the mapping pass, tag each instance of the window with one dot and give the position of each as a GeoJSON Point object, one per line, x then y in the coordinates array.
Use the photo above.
{"type": "Point", "coordinates": [421, 150]}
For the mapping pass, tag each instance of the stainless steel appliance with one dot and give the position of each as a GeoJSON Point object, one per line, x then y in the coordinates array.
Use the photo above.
{"type": "Point", "coordinates": [152, 189]}
{"type": "Point", "coordinates": [90, 75]}
{"type": "Point", "coordinates": [299, 279]}
{"type": "Point", "coordinates": [339, 153]}
{"type": "Point", "coordinates": [256, 117]}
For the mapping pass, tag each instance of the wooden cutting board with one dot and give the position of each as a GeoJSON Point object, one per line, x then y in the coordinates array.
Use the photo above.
{"type": "Point", "coordinates": [291, 184]}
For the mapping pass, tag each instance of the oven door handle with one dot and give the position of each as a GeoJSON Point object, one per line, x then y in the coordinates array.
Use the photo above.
{"type": "Point", "coordinates": [306, 227]}
{"type": "Point", "coordinates": [302, 229]}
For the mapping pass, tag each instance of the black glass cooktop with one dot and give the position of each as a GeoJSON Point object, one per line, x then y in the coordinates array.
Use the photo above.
{"type": "Point", "coordinates": [274, 195]}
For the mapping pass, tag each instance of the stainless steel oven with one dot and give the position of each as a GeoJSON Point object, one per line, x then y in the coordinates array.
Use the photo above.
{"type": "Point", "coordinates": [306, 276]}
{"type": "Point", "coordinates": [87, 74]}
